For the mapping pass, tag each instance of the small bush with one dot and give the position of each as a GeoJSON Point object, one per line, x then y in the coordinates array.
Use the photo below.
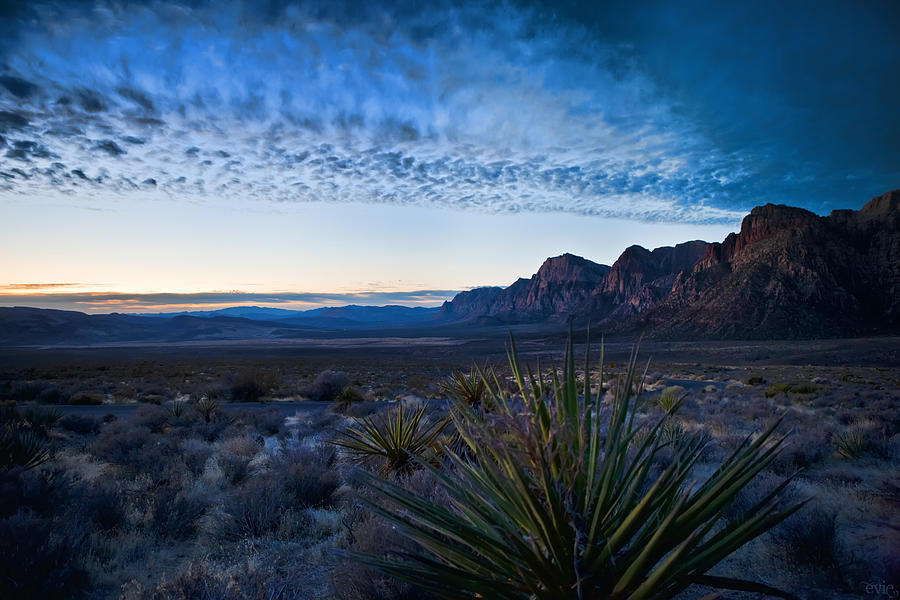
{"type": "Point", "coordinates": [176, 514]}
{"type": "Point", "coordinates": [42, 558]}
{"type": "Point", "coordinates": [804, 388]}
{"type": "Point", "coordinates": [251, 385]}
{"type": "Point", "coordinates": [308, 477]}
{"type": "Point", "coordinates": [253, 511]}
{"type": "Point", "coordinates": [755, 380]}
{"type": "Point", "coordinates": [670, 397]}
{"type": "Point", "coordinates": [326, 386]}
{"type": "Point", "coordinates": [810, 539]}
{"type": "Point", "coordinates": [80, 424]}
{"type": "Point", "coordinates": [86, 398]}
{"type": "Point", "coordinates": [235, 457]}
{"type": "Point", "coordinates": [101, 504]}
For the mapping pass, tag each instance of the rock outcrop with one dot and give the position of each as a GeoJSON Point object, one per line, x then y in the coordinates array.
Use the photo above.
{"type": "Point", "coordinates": [788, 273]}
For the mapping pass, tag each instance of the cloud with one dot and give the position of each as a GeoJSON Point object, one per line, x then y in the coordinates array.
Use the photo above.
{"type": "Point", "coordinates": [44, 296]}
{"type": "Point", "coordinates": [503, 108]}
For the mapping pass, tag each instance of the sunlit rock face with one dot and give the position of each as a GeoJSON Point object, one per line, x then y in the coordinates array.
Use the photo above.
{"type": "Point", "coordinates": [788, 273]}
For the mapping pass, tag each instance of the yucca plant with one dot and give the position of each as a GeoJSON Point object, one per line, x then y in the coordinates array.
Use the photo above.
{"type": "Point", "coordinates": [22, 448]}
{"type": "Point", "coordinates": [399, 436]}
{"type": "Point", "coordinates": [852, 443]}
{"type": "Point", "coordinates": [206, 406]}
{"type": "Point", "coordinates": [469, 388]}
{"type": "Point", "coordinates": [570, 505]}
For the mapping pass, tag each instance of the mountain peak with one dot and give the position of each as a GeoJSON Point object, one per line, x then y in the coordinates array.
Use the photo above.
{"type": "Point", "coordinates": [883, 204]}
{"type": "Point", "coordinates": [570, 267]}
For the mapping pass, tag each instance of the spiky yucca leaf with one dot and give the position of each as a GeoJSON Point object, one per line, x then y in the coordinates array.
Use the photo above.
{"type": "Point", "coordinates": [469, 388]}
{"type": "Point", "coordinates": [399, 436]}
{"type": "Point", "coordinates": [22, 448]}
{"type": "Point", "coordinates": [570, 506]}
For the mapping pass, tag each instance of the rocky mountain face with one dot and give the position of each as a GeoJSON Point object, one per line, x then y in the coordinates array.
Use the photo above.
{"type": "Point", "coordinates": [560, 287]}
{"type": "Point", "coordinates": [787, 273]}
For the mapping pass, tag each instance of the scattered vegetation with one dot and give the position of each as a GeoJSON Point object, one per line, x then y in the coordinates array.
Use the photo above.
{"type": "Point", "coordinates": [402, 438]}
{"type": "Point", "coordinates": [469, 388]}
{"type": "Point", "coordinates": [558, 509]}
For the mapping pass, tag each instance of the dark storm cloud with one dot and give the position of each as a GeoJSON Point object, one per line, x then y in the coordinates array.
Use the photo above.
{"type": "Point", "coordinates": [658, 111]}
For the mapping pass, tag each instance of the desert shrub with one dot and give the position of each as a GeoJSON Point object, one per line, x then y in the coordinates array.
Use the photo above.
{"type": "Point", "coordinates": [80, 424]}
{"type": "Point", "coordinates": [198, 581]}
{"type": "Point", "coordinates": [42, 558]}
{"type": "Point", "coordinates": [810, 540]}
{"type": "Point", "coordinates": [195, 453]}
{"type": "Point", "coordinates": [252, 511]}
{"type": "Point", "coordinates": [136, 449]}
{"type": "Point", "coordinates": [51, 395]}
{"type": "Point", "coordinates": [558, 507]}
{"type": "Point", "coordinates": [267, 421]}
{"type": "Point", "coordinates": [100, 503]}
{"type": "Point", "coordinates": [398, 437]}
{"type": "Point", "coordinates": [235, 457]}
{"type": "Point", "coordinates": [363, 409]}
{"type": "Point", "coordinates": [804, 451]}
{"type": "Point", "coordinates": [86, 398]}
{"type": "Point", "coordinates": [308, 477]}
{"type": "Point", "coordinates": [176, 513]}
{"type": "Point", "coordinates": [670, 397]}
{"type": "Point", "coordinates": [250, 385]}
{"type": "Point", "coordinates": [39, 491]}
{"type": "Point", "coordinates": [155, 418]}
{"type": "Point", "coordinates": [155, 399]}
{"type": "Point", "coordinates": [326, 386]}
{"type": "Point", "coordinates": [777, 388]}
{"type": "Point", "coordinates": [804, 388]}
{"type": "Point", "coordinates": [755, 380]}
{"type": "Point", "coordinates": [355, 580]}
{"type": "Point", "coordinates": [25, 391]}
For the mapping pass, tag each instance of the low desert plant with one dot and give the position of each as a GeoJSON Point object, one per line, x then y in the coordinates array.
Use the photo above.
{"type": "Point", "coordinates": [671, 397]}
{"type": "Point", "coordinates": [22, 448]}
{"type": "Point", "coordinates": [853, 442]}
{"type": "Point", "coordinates": [41, 420]}
{"type": "Point", "coordinates": [326, 386]}
{"type": "Point", "coordinates": [469, 388]}
{"type": "Point", "coordinates": [560, 502]}
{"type": "Point", "coordinates": [347, 398]}
{"type": "Point", "coordinates": [206, 406]}
{"type": "Point", "coordinates": [86, 398]}
{"type": "Point", "coordinates": [79, 424]}
{"type": "Point", "coordinates": [398, 436]}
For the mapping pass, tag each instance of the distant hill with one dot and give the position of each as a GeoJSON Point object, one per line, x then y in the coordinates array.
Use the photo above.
{"type": "Point", "coordinates": [338, 317]}
{"type": "Point", "coordinates": [788, 273]}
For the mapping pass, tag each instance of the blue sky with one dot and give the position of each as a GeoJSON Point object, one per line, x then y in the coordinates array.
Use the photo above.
{"type": "Point", "coordinates": [320, 152]}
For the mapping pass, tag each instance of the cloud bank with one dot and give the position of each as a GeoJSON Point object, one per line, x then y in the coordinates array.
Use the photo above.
{"type": "Point", "coordinates": [107, 302]}
{"type": "Point", "coordinates": [476, 108]}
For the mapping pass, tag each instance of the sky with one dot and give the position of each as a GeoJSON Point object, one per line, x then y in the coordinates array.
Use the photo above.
{"type": "Point", "coordinates": [179, 155]}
